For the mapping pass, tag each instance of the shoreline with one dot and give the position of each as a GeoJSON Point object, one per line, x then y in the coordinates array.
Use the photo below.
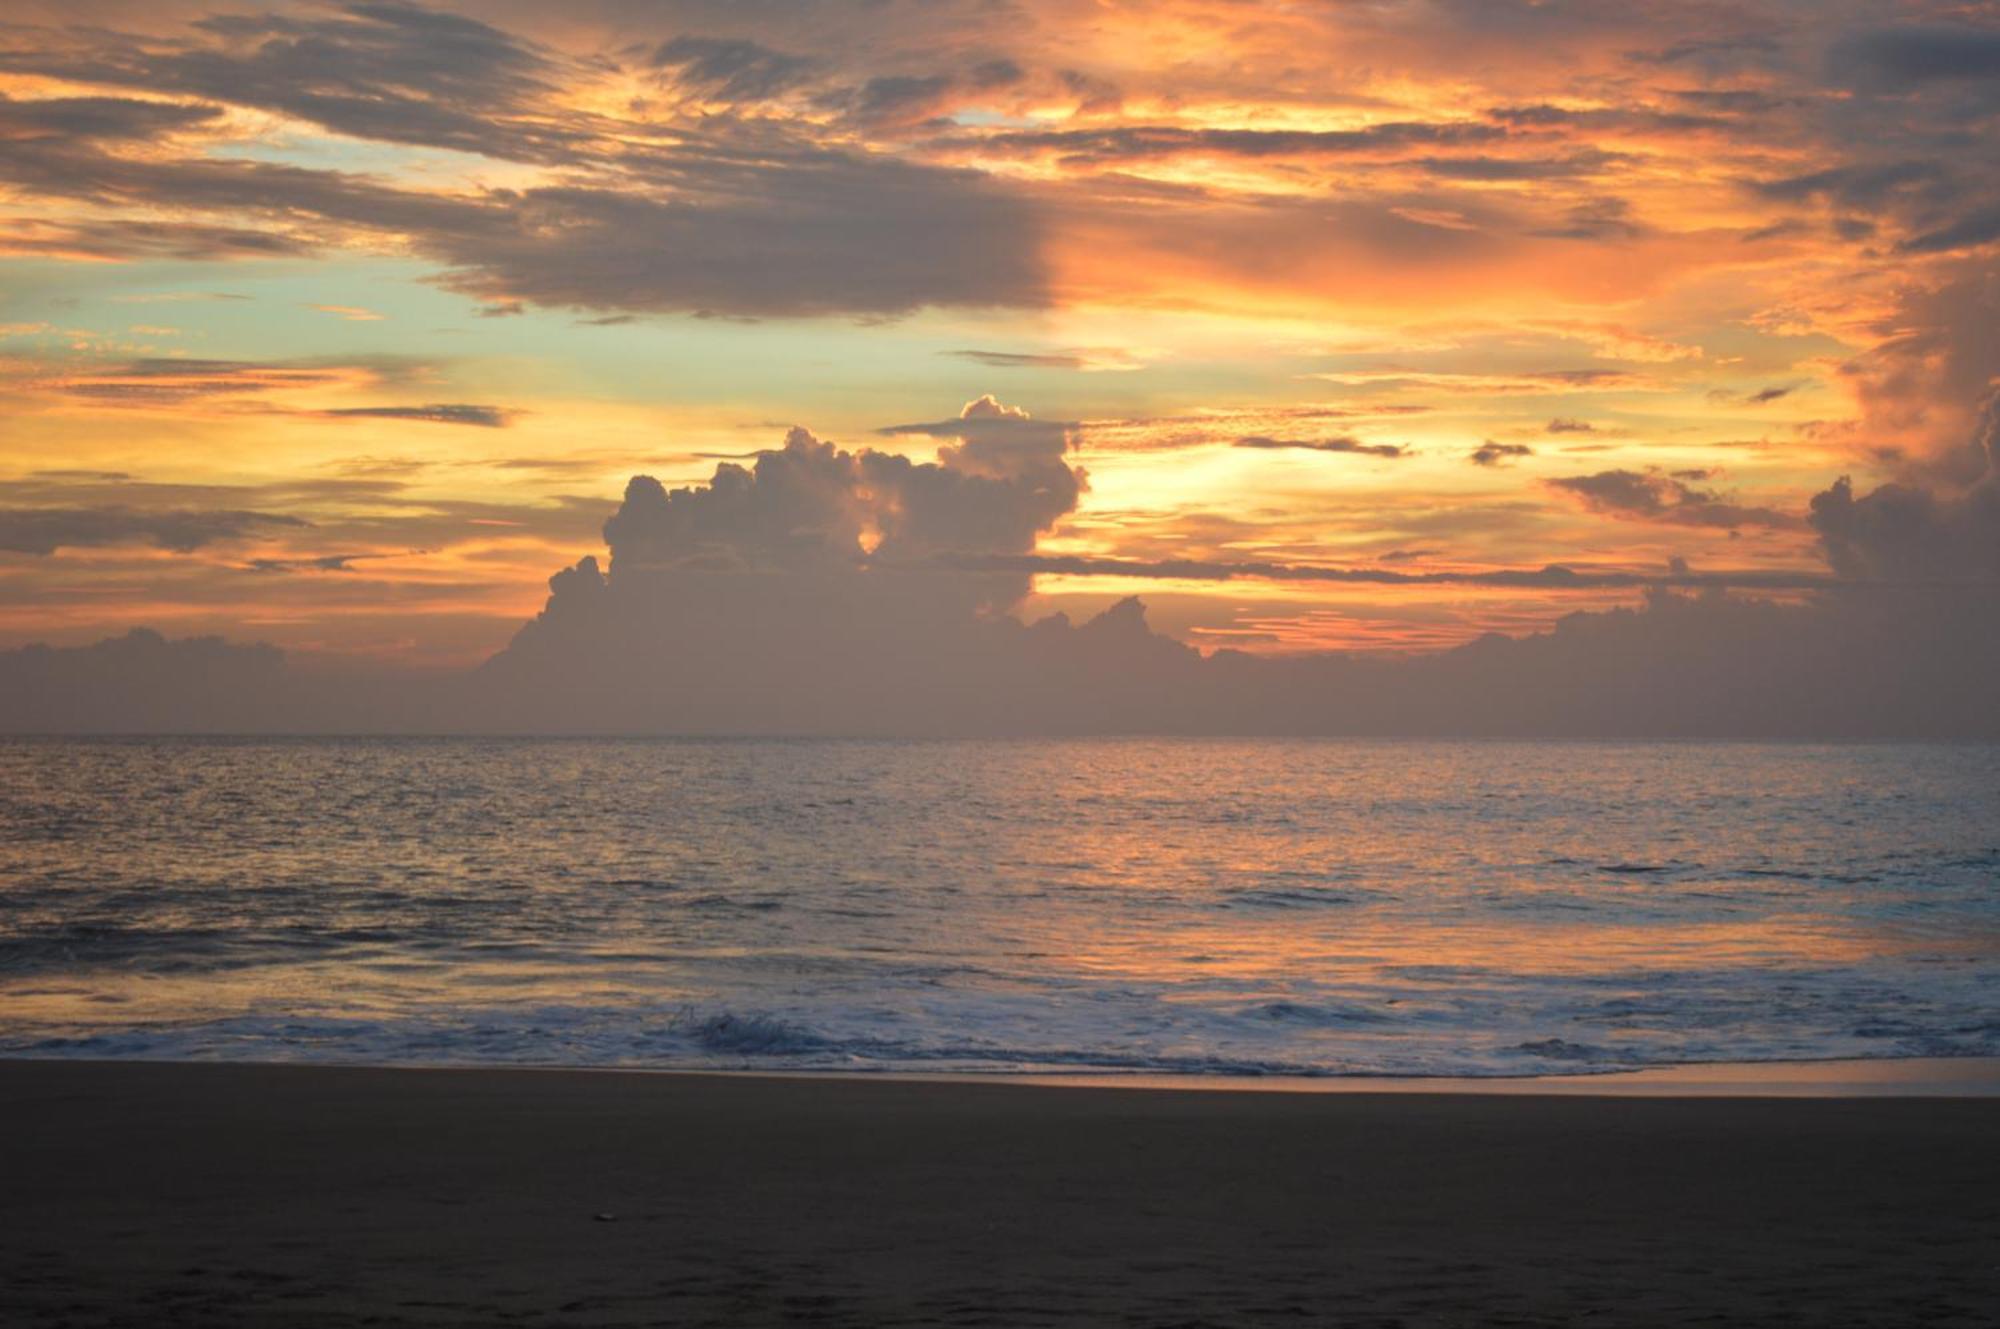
{"type": "Point", "coordinates": [1828, 1077]}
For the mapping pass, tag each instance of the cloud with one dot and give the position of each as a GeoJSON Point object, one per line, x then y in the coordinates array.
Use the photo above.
{"type": "Point", "coordinates": [321, 563]}
{"type": "Point", "coordinates": [731, 69]}
{"type": "Point", "coordinates": [1860, 185]}
{"type": "Point", "coordinates": [1340, 443]}
{"type": "Point", "coordinates": [1021, 360]}
{"type": "Point", "coordinates": [716, 654]}
{"type": "Point", "coordinates": [1532, 382]}
{"type": "Point", "coordinates": [124, 238]}
{"type": "Point", "coordinates": [142, 682]}
{"type": "Point", "coordinates": [771, 227]}
{"type": "Point", "coordinates": [1086, 360]}
{"type": "Point", "coordinates": [1143, 142]}
{"type": "Point", "coordinates": [1565, 425]}
{"type": "Point", "coordinates": [1915, 54]}
{"type": "Point", "coordinates": [1655, 496]}
{"type": "Point", "coordinates": [1490, 453]}
{"type": "Point", "coordinates": [1553, 576]}
{"type": "Point", "coordinates": [381, 70]}
{"type": "Point", "coordinates": [1901, 532]}
{"type": "Point", "coordinates": [811, 506]}
{"type": "Point", "coordinates": [827, 590]}
{"type": "Point", "coordinates": [1761, 397]}
{"type": "Point", "coordinates": [45, 530]}
{"type": "Point", "coordinates": [442, 413]}
{"type": "Point", "coordinates": [112, 118]}
{"type": "Point", "coordinates": [1979, 227]}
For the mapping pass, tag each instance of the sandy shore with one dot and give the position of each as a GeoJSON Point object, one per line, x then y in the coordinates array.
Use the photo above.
{"type": "Point", "coordinates": [242, 1195]}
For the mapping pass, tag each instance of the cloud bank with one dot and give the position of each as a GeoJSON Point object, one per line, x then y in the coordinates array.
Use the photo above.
{"type": "Point", "coordinates": [822, 590]}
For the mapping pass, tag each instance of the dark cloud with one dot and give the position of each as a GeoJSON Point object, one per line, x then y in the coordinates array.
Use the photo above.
{"type": "Point", "coordinates": [1723, 53]}
{"type": "Point", "coordinates": [1550, 577]}
{"type": "Point", "coordinates": [1573, 166]}
{"type": "Point", "coordinates": [830, 234]}
{"type": "Point", "coordinates": [383, 71]}
{"type": "Point", "coordinates": [1761, 397]}
{"type": "Point", "coordinates": [97, 118]}
{"type": "Point", "coordinates": [1138, 142]}
{"type": "Point", "coordinates": [1490, 453]}
{"type": "Point", "coordinates": [1565, 425]}
{"type": "Point", "coordinates": [1615, 119]}
{"type": "Point", "coordinates": [790, 231]}
{"type": "Point", "coordinates": [1596, 219]}
{"type": "Point", "coordinates": [728, 217]}
{"type": "Point", "coordinates": [1906, 532]}
{"type": "Point", "coordinates": [142, 682]}
{"type": "Point", "coordinates": [322, 563]}
{"type": "Point", "coordinates": [996, 73]}
{"type": "Point", "coordinates": [1914, 54]}
{"type": "Point", "coordinates": [125, 239]}
{"type": "Point", "coordinates": [721, 654]}
{"type": "Point", "coordinates": [1903, 531]}
{"type": "Point", "coordinates": [900, 100]}
{"type": "Point", "coordinates": [1671, 498]}
{"type": "Point", "coordinates": [1979, 227]}
{"type": "Point", "coordinates": [45, 530]}
{"type": "Point", "coordinates": [901, 97]}
{"type": "Point", "coordinates": [732, 69]}
{"type": "Point", "coordinates": [1341, 443]}
{"type": "Point", "coordinates": [486, 417]}
{"type": "Point", "coordinates": [1864, 186]}
{"type": "Point", "coordinates": [1733, 100]}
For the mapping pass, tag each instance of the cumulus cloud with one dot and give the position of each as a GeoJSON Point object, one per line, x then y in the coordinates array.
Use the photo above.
{"type": "Point", "coordinates": [1903, 531]}
{"type": "Point", "coordinates": [825, 590]}
{"type": "Point", "coordinates": [812, 507]}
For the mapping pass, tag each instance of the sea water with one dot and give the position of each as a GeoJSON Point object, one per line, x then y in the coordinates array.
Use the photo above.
{"type": "Point", "coordinates": [1204, 907]}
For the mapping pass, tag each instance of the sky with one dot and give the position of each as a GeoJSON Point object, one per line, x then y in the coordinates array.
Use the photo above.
{"type": "Point", "coordinates": [1367, 327]}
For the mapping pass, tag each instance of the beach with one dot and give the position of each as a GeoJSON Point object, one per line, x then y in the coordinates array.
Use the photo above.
{"type": "Point", "coordinates": [316, 1196]}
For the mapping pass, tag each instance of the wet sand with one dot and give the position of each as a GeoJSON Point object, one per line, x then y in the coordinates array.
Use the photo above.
{"type": "Point", "coordinates": [244, 1195]}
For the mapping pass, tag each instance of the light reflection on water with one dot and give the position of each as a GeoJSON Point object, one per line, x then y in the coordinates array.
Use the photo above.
{"type": "Point", "coordinates": [1263, 906]}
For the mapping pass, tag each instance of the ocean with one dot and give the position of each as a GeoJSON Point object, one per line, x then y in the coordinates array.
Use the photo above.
{"type": "Point", "coordinates": [1219, 908]}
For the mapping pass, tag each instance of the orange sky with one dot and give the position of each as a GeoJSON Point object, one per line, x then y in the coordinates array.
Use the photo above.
{"type": "Point", "coordinates": [343, 327]}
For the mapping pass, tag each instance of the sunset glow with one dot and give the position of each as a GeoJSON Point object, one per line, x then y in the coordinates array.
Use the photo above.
{"type": "Point", "coordinates": [342, 327]}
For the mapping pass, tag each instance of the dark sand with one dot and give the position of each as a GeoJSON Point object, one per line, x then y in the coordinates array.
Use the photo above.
{"type": "Point", "coordinates": [238, 1195]}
